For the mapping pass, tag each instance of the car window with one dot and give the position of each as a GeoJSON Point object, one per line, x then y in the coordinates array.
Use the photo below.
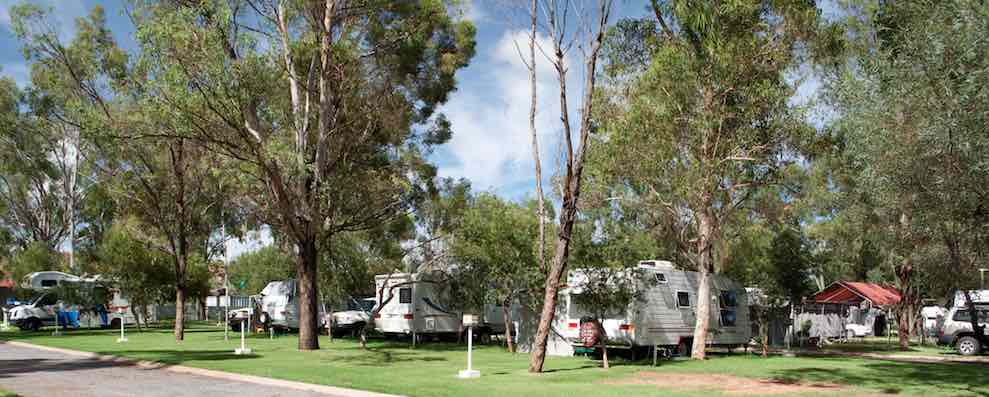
{"type": "Point", "coordinates": [963, 316]}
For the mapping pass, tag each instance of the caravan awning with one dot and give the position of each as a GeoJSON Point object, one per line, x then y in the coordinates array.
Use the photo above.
{"type": "Point", "coordinates": [854, 293]}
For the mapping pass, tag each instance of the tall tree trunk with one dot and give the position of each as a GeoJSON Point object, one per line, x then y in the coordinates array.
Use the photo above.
{"type": "Point", "coordinates": [706, 235]}
{"type": "Point", "coordinates": [305, 270]}
{"type": "Point", "coordinates": [559, 266]}
{"type": "Point", "coordinates": [906, 307]}
{"type": "Point", "coordinates": [508, 326]}
{"type": "Point", "coordinates": [179, 312]}
{"type": "Point", "coordinates": [541, 211]}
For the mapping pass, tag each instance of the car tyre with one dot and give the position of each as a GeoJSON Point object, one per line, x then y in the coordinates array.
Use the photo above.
{"type": "Point", "coordinates": [968, 346]}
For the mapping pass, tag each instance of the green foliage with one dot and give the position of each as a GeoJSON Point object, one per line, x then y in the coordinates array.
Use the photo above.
{"type": "Point", "coordinates": [251, 271]}
{"type": "Point", "coordinates": [494, 249]}
{"type": "Point", "coordinates": [790, 262]}
{"type": "Point", "coordinates": [143, 275]}
{"type": "Point", "coordinates": [36, 257]}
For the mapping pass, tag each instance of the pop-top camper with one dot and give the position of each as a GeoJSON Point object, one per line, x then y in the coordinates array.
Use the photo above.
{"type": "Point", "coordinates": [48, 308]}
{"type": "Point", "coordinates": [664, 314]}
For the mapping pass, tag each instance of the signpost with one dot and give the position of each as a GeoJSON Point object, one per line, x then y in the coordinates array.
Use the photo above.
{"type": "Point", "coordinates": [58, 313]}
{"type": "Point", "coordinates": [470, 320]}
{"type": "Point", "coordinates": [243, 350]}
{"type": "Point", "coordinates": [120, 312]}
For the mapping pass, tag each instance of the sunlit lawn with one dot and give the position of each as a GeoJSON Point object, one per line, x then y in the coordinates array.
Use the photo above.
{"type": "Point", "coordinates": [430, 370]}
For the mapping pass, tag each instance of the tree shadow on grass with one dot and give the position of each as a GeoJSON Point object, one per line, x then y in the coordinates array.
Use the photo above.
{"type": "Point", "coordinates": [380, 356]}
{"type": "Point", "coordinates": [176, 357]}
{"type": "Point", "coordinates": [895, 377]}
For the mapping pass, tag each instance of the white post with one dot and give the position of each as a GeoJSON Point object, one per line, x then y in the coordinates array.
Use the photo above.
{"type": "Point", "coordinates": [470, 372]}
{"type": "Point", "coordinates": [470, 348]}
{"type": "Point", "coordinates": [58, 310]}
{"type": "Point", "coordinates": [243, 345]}
{"type": "Point", "coordinates": [120, 311]}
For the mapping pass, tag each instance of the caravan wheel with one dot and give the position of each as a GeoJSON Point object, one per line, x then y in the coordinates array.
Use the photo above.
{"type": "Point", "coordinates": [115, 323]}
{"type": "Point", "coordinates": [685, 347]}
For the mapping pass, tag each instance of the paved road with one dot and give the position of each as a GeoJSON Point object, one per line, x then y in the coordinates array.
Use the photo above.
{"type": "Point", "coordinates": [32, 372]}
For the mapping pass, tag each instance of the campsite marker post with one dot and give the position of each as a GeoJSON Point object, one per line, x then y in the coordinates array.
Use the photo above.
{"type": "Point", "coordinates": [123, 338]}
{"type": "Point", "coordinates": [58, 311]}
{"type": "Point", "coordinates": [243, 324]}
{"type": "Point", "coordinates": [470, 320]}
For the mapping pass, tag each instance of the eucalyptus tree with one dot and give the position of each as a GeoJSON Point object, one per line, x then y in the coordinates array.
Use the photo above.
{"type": "Point", "coordinates": [495, 249]}
{"type": "Point", "coordinates": [38, 172]}
{"type": "Point", "coordinates": [705, 123]}
{"type": "Point", "coordinates": [154, 172]}
{"type": "Point", "coordinates": [587, 36]}
{"type": "Point", "coordinates": [329, 107]}
{"type": "Point", "coordinates": [908, 107]}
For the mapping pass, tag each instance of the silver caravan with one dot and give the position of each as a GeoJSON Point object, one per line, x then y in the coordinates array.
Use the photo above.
{"type": "Point", "coordinates": [665, 313]}
{"type": "Point", "coordinates": [415, 305]}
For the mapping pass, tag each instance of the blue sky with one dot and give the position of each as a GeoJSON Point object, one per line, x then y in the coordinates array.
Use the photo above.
{"type": "Point", "coordinates": [491, 144]}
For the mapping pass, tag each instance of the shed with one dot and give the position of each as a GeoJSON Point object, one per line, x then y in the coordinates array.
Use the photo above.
{"type": "Point", "coordinates": [854, 293]}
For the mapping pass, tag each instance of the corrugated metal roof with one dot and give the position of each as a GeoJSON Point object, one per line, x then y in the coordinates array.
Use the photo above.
{"type": "Point", "coordinates": [854, 292]}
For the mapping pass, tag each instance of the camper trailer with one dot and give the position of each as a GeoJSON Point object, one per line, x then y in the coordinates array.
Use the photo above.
{"type": "Point", "coordinates": [664, 315]}
{"type": "Point", "coordinates": [415, 306]}
{"type": "Point", "coordinates": [276, 306]}
{"type": "Point", "coordinates": [47, 308]}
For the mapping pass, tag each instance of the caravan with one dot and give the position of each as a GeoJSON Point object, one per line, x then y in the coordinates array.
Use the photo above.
{"type": "Point", "coordinates": [665, 313]}
{"type": "Point", "coordinates": [276, 306]}
{"type": "Point", "coordinates": [417, 308]}
{"type": "Point", "coordinates": [412, 305]}
{"type": "Point", "coordinates": [48, 308]}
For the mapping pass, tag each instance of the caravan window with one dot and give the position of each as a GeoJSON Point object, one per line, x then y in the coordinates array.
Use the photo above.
{"type": "Point", "coordinates": [683, 299]}
{"type": "Point", "coordinates": [405, 295]}
{"type": "Point", "coordinates": [49, 283]}
{"type": "Point", "coordinates": [728, 299]}
{"type": "Point", "coordinates": [660, 278]}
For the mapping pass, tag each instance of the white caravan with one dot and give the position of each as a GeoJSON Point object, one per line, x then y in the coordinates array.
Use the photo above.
{"type": "Point", "coordinates": [415, 306]}
{"type": "Point", "coordinates": [665, 313]}
{"type": "Point", "coordinates": [276, 306]}
{"type": "Point", "coordinates": [41, 311]}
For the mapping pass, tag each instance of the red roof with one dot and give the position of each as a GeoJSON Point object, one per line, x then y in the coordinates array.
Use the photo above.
{"type": "Point", "coordinates": [853, 292]}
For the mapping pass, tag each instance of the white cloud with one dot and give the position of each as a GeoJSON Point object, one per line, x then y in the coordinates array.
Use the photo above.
{"type": "Point", "coordinates": [492, 144]}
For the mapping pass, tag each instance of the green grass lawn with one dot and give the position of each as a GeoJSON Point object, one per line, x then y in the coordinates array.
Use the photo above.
{"type": "Point", "coordinates": [4, 393]}
{"type": "Point", "coordinates": [882, 345]}
{"type": "Point", "coordinates": [430, 370]}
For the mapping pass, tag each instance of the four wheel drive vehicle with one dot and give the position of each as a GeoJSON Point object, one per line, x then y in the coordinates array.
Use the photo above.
{"type": "Point", "coordinates": [957, 330]}
{"type": "Point", "coordinates": [351, 321]}
{"type": "Point", "coordinates": [276, 306]}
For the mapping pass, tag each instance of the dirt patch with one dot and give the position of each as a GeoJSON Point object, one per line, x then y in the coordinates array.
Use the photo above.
{"type": "Point", "coordinates": [728, 384]}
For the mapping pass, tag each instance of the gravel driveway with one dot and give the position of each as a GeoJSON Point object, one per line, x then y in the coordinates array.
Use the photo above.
{"type": "Point", "coordinates": [32, 372]}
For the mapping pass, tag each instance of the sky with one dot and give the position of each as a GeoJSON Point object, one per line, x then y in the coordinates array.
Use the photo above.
{"type": "Point", "coordinates": [489, 112]}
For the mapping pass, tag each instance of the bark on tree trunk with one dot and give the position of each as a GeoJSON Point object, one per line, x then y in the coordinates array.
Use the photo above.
{"type": "Point", "coordinates": [604, 354]}
{"type": "Point", "coordinates": [305, 275]}
{"type": "Point", "coordinates": [508, 327]}
{"type": "Point", "coordinates": [179, 312]}
{"type": "Point", "coordinates": [541, 211]}
{"type": "Point", "coordinates": [556, 271]}
{"type": "Point", "coordinates": [703, 314]}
